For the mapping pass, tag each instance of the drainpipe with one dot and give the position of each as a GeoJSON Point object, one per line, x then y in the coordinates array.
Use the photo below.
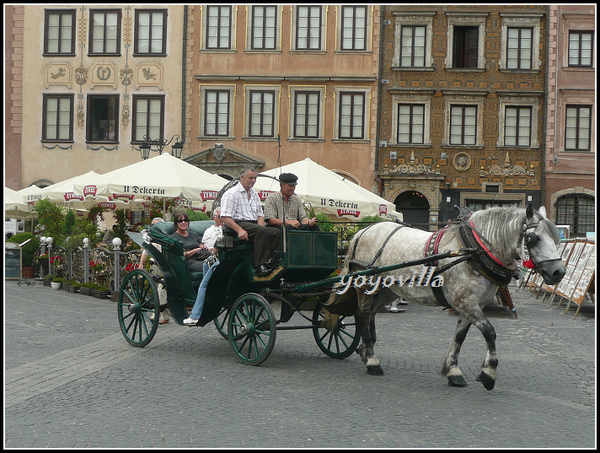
{"type": "Point", "coordinates": [379, 91]}
{"type": "Point", "coordinates": [545, 128]}
{"type": "Point", "coordinates": [183, 72]}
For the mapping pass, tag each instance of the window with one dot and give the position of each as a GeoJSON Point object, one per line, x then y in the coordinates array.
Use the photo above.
{"type": "Point", "coordinates": [59, 33]}
{"type": "Point", "coordinates": [463, 125]}
{"type": "Point", "coordinates": [354, 28]}
{"type": "Point", "coordinates": [150, 32]}
{"type": "Point", "coordinates": [307, 107]}
{"type": "Point", "coordinates": [351, 116]}
{"type": "Point", "coordinates": [308, 27]}
{"type": "Point", "coordinates": [411, 124]}
{"type": "Point", "coordinates": [519, 52]}
{"type": "Point", "coordinates": [218, 27]}
{"type": "Point", "coordinates": [105, 32]}
{"type": "Point", "coordinates": [57, 117]}
{"type": "Point", "coordinates": [216, 118]}
{"type": "Point", "coordinates": [578, 127]}
{"type": "Point", "coordinates": [412, 46]}
{"type": "Point", "coordinates": [264, 28]}
{"type": "Point", "coordinates": [465, 47]}
{"type": "Point", "coordinates": [148, 118]}
{"type": "Point", "coordinates": [581, 48]}
{"type": "Point", "coordinates": [517, 126]}
{"type": "Point", "coordinates": [578, 211]}
{"type": "Point", "coordinates": [262, 113]}
{"type": "Point", "coordinates": [102, 118]}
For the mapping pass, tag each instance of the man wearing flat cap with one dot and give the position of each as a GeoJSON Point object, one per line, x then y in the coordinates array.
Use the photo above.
{"type": "Point", "coordinates": [286, 206]}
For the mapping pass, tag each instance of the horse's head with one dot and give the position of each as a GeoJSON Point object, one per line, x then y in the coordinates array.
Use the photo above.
{"type": "Point", "coordinates": [540, 237]}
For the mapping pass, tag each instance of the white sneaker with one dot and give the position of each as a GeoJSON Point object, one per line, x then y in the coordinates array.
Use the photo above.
{"type": "Point", "coordinates": [190, 322]}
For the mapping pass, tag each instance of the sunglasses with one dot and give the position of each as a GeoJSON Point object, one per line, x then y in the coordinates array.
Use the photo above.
{"type": "Point", "coordinates": [181, 221]}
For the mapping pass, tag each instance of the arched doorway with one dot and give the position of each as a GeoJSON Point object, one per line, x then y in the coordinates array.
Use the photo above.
{"type": "Point", "coordinates": [414, 207]}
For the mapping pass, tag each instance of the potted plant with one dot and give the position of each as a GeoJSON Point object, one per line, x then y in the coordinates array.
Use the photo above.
{"type": "Point", "coordinates": [74, 285]}
{"type": "Point", "coordinates": [100, 291]}
{"type": "Point", "coordinates": [57, 282]}
{"type": "Point", "coordinates": [86, 288]}
{"type": "Point", "coordinates": [27, 252]}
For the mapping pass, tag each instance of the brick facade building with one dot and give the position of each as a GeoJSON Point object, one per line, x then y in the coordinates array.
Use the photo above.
{"type": "Point", "coordinates": [462, 108]}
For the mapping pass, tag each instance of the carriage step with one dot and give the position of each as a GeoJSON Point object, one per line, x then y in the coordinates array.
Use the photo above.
{"type": "Point", "coordinates": [269, 276]}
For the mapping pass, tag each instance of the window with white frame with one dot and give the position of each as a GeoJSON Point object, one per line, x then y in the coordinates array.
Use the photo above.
{"type": "Point", "coordinates": [412, 41]}
{"type": "Point", "coordinates": [411, 116]}
{"type": "Point", "coordinates": [581, 48]}
{"type": "Point", "coordinates": [148, 118]}
{"type": "Point", "coordinates": [463, 125]}
{"type": "Point", "coordinates": [517, 126]}
{"type": "Point", "coordinates": [351, 114]}
{"type": "Point", "coordinates": [520, 41]}
{"type": "Point", "coordinates": [519, 52]}
{"type": "Point", "coordinates": [262, 111]}
{"type": "Point", "coordinates": [105, 32]}
{"type": "Point", "coordinates": [150, 32]}
{"type": "Point", "coordinates": [354, 27]}
{"type": "Point", "coordinates": [57, 117]}
{"type": "Point", "coordinates": [59, 32]}
{"type": "Point", "coordinates": [264, 27]}
{"type": "Point", "coordinates": [307, 111]}
{"type": "Point", "coordinates": [578, 126]}
{"type": "Point", "coordinates": [308, 27]}
{"type": "Point", "coordinates": [217, 112]}
{"type": "Point", "coordinates": [218, 27]}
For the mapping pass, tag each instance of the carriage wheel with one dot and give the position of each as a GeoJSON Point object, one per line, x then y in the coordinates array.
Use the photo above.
{"type": "Point", "coordinates": [252, 329]}
{"type": "Point", "coordinates": [221, 322]}
{"type": "Point", "coordinates": [138, 301]}
{"type": "Point", "coordinates": [338, 341]}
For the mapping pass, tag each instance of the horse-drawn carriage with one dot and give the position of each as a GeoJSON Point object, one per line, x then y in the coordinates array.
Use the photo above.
{"type": "Point", "coordinates": [480, 254]}
{"type": "Point", "coordinates": [237, 301]}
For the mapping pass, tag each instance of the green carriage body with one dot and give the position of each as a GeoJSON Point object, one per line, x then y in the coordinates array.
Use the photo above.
{"type": "Point", "coordinates": [308, 256]}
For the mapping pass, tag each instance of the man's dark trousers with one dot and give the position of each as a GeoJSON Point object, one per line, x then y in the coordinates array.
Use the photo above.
{"type": "Point", "coordinates": [265, 239]}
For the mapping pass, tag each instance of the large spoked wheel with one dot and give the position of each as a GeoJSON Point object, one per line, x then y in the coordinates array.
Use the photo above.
{"type": "Point", "coordinates": [221, 322]}
{"type": "Point", "coordinates": [138, 301]}
{"type": "Point", "coordinates": [336, 335]}
{"type": "Point", "coordinates": [252, 329]}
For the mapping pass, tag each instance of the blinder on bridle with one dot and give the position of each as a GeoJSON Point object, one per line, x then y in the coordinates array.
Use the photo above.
{"type": "Point", "coordinates": [531, 240]}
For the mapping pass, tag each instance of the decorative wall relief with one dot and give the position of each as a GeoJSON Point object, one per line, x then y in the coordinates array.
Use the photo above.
{"type": "Point", "coordinates": [104, 74]}
{"type": "Point", "coordinates": [150, 75]}
{"type": "Point", "coordinates": [59, 74]}
{"type": "Point", "coordinates": [462, 161]}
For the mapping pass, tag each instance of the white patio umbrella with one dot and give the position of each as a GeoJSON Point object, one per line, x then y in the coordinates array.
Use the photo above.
{"type": "Point", "coordinates": [163, 176]}
{"type": "Point", "coordinates": [14, 206]}
{"type": "Point", "coordinates": [326, 191]}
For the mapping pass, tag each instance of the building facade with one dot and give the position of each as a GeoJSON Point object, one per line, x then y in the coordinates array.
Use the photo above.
{"type": "Point", "coordinates": [462, 108]}
{"type": "Point", "coordinates": [270, 85]}
{"type": "Point", "coordinates": [571, 115]}
{"type": "Point", "coordinates": [96, 82]}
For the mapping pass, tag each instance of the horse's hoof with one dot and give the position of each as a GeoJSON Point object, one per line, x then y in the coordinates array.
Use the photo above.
{"type": "Point", "coordinates": [375, 370]}
{"type": "Point", "coordinates": [486, 380]}
{"type": "Point", "coordinates": [457, 381]}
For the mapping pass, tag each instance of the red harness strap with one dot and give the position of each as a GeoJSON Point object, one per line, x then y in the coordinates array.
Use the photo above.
{"type": "Point", "coordinates": [433, 243]}
{"type": "Point", "coordinates": [483, 246]}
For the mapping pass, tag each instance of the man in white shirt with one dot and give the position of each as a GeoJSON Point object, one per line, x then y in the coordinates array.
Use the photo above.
{"type": "Point", "coordinates": [213, 232]}
{"type": "Point", "coordinates": [242, 212]}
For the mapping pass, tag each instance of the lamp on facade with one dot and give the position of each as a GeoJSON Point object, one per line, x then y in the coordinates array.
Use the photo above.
{"type": "Point", "coordinates": [147, 146]}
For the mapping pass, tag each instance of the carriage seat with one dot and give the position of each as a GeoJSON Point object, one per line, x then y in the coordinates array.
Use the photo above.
{"type": "Point", "coordinates": [161, 233]}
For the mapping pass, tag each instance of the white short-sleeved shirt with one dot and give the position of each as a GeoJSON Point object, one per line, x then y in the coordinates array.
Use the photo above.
{"type": "Point", "coordinates": [235, 204]}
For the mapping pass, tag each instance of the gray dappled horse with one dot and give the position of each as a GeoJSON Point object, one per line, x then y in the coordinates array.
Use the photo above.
{"type": "Point", "coordinates": [494, 241]}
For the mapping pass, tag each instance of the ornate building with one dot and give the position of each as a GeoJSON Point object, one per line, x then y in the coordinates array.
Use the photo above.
{"type": "Point", "coordinates": [462, 108]}
{"type": "Point", "coordinates": [273, 84]}
{"type": "Point", "coordinates": [89, 85]}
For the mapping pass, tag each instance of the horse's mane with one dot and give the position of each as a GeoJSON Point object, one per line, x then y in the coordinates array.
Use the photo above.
{"type": "Point", "coordinates": [501, 226]}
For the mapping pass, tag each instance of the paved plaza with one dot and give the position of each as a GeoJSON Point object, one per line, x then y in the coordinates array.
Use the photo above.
{"type": "Point", "coordinates": [72, 381]}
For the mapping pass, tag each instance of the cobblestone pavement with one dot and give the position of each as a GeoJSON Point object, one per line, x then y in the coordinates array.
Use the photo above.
{"type": "Point", "coordinates": [71, 380]}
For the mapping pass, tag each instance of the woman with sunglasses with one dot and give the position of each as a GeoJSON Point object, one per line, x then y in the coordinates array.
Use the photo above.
{"type": "Point", "coordinates": [193, 249]}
